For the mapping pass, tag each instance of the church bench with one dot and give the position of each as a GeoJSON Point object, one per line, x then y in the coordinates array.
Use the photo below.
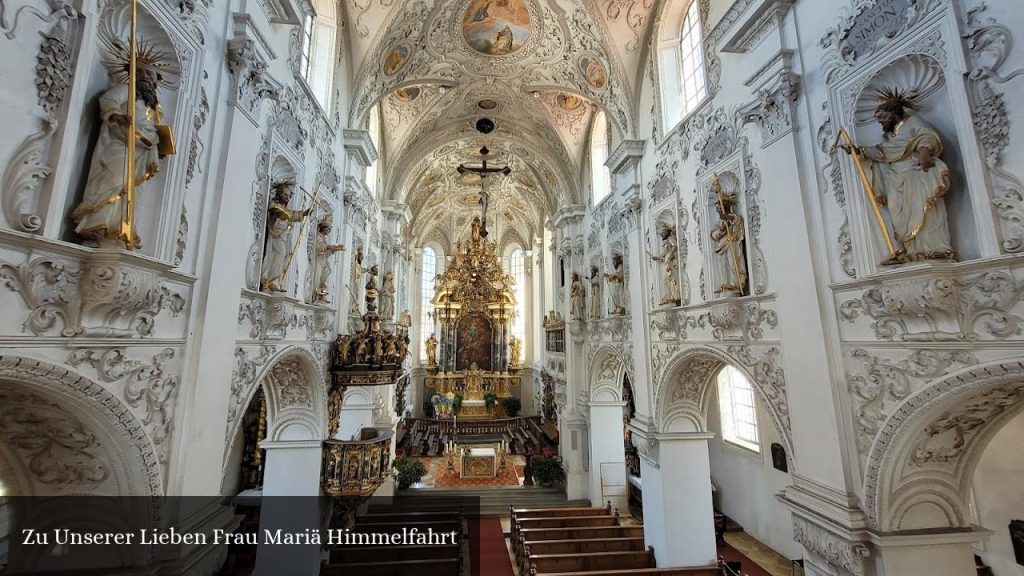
{"type": "Point", "coordinates": [522, 513]}
{"type": "Point", "coordinates": [566, 521]}
{"type": "Point", "coordinates": [449, 567]}
{"type": "Point", "coordinates": [406, 517]}
{"type": "Point", "coordinates": [695, 571]}
{"type": "Point", "coordinates": [551, 563]}
{"type": "Point", "coordinates": [575, 533]}
{"type": "Point", "coordinates": [372, 554]}
{"type": "Point", "coordinates": [577, 547]}
{"type": "Point", "coordinates": [397, 527]}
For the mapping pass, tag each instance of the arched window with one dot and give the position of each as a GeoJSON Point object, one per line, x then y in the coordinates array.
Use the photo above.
{"type": "Point", "coordinates": [600, 177]}
{"type": "Point", "coordinates": [371, 170]}
{"type": "Point", "coordinates": [517, 269]}
{"type": "Point", "coordinates": [681, 62]}
{"type": "Point", "coordinates": [738, 409]}
{"type": "Point", "coordinates": [428, 271]}
{"type": "Point", "coordinates": [316, 64]}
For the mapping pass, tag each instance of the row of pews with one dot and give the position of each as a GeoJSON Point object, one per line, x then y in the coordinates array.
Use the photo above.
{"type": "Point", "coordinates": [585, 542]}
{"type": "Point", "coordinates": [401, 560]}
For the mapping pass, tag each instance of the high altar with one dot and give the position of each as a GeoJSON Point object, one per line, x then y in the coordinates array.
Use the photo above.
{"type": "Point", "coordinates": [473, 303]}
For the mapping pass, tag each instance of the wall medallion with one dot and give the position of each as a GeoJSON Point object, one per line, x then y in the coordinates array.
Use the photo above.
{"type": "Point", "coordinates": [593, 71]}
{"type": "Point", "coordinates": [569, 102]}
{"type": "Point", "coordinates": [496, 27]}
{"type": "Point", "coordinates": [407, 94]}
{"type": "Point", "coordinates": [396, 58]}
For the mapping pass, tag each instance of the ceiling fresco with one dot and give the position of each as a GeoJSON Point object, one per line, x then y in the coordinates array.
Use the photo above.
{"type": "Point", "coordinates": [539, 68]}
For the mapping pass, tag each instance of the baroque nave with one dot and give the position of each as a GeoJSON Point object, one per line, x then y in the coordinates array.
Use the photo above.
{"type": "Point", "coordinates": [648, 287]}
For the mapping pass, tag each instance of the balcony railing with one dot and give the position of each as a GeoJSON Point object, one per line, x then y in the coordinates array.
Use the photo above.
{"type": "Point", "coordinates": [356, 468]}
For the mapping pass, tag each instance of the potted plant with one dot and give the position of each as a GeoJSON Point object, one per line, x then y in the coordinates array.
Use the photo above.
{"type": "Point", "coordinates": [490, 399]}
{"type": "Point", "coordinates": [408, 471]}
{"type": "Point", "coordinates": [457, 404]}
{"type": "Point", "coordinates": [512, 406]}
{"type": "Point", "coordinates": [548, 471]}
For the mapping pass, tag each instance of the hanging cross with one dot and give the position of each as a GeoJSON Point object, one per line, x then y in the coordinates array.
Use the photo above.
{"type": "Point", "coordinates": [484, 171]}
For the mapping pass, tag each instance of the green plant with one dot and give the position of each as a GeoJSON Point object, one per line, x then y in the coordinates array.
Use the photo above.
{"type": "Point", "coordinates": [408, 471]}
{"type": "Point", "coordinates": [512, 406]}
{"type": "Point", "coordinates": [490, 399]}
{"type": "Point", "coordinates": [457, 404]}
{"type": "Point", "coordinates": [547, 471]}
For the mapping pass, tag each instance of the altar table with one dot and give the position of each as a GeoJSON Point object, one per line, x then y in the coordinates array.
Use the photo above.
{"type": "Point", "coordinates": [478, 463]}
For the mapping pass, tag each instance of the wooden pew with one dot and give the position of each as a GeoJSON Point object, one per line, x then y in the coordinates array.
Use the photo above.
{"type": "Point", "coordinates": [575, 533]}
{"type": "Point", "coordinates": [406, 517]}
{"type": "Point", "coordinates": [696, 571]}
{"type": "Point", "coordinates": [577, 547]}
{"type": "Point", "coordinates": [394, 568]}
{"type": "Point", "coordinates": [397, 527]}
{"type": "Point", "coordinates": [554, 563]}
{"type": "Point", "coordinates": [549, 512]}
{"type": "Point", "coordinates": [566, 521]}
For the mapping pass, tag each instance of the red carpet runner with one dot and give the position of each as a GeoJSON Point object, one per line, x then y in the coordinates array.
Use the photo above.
{"type": "Point", "coordinates": [493, 559]}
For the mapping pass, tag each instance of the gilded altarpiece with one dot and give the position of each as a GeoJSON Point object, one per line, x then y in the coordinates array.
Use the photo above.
{"type": "Point", "coordinates": [474, 303]}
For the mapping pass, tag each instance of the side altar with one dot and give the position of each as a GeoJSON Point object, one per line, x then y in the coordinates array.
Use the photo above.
{"type": "Point", "coordinates": [474, 355]}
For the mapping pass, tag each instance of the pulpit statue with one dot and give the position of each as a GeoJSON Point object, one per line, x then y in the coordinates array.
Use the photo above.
{"type": "Point", "coordinates": [370, 295]}
{"type": "Point", "coordinates": [669, 257]}
{"type": "Point", "coordinates": [616, 281]}
{"type": "Point", "coordinates": [914, 180]}
{"type": "Point", "coordinates": [577, 304]}
{"type": "Point", "coordinates": [514, 352]}
{"type": "Point", "coordinates": [357, 276]}
{"type": "Point", "coordinates": [276, 251]}
{"type": "Point", "coordinates": [387, 297]}
{"type": "Point", "coordinates": [322, 252]}
{"type": "Point", "coordinates": [729, 238]}
{"type": "Point", "coordinates": [595, 293]}
{"type": "Point", "coordinates": [405, 319]}
{"type": "Point", "coordinates": [98, 217]}
{"type": "Point", "coordinates": [431, 351]}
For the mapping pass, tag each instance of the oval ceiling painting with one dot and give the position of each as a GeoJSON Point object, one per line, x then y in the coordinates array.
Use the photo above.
{"type": "Point", "coordinates": [496, 27]}
{"type": "Point", "coordinates": [407, 94]}
{"type": "Point", "coordinates": [593, 71]}
{"type": "Point", "coordinates": [396, 59]}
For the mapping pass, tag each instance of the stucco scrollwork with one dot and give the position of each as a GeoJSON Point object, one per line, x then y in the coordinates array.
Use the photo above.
{"type": "Point", "coordinates": [243, 377]}
{"type": "Point", "coordinates": [150, 386]}
{"type": "Point", "coordinates": [948, 437]}
{"type": "Point", "coordinates": [839, 552]}
{"type": "Point", "coordinates": [770, 379]}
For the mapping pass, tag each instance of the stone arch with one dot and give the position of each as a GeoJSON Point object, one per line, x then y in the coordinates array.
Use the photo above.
{"type": "Point", "coordinates": [606, 372]}
{"type": "Point", "coordinates": [683, 398]}
{"type": "Point", "coordinates": [65, 434]}
{"type": "Point", "coordinates": [921, 464]}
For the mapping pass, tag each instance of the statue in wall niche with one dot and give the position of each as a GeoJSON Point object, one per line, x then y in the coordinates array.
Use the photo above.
{"type": "Point", "coordinates": [729, 242]}
{"type": "Point", "coordinates": [387, 297]}
{"type": "Point", "coordinates": [276, 251]}
{"type": "Point", "coordinates": [616, 283]}
{"type": "Point", "coordinates": [669, 257]}
{"type": "Point", "coordinates": [98, 217]}
{"type": "Point", "coordinates": [577, 304]}
{"type": "Point", "coordinates": [431, 344]}
{"type": "Point", "coordinates": [515, 348]}
{"type": "Point", "coordinates": [322, 252]}
{"type": "Point", "coordinates": [370, 295]}
{"type": "Point", "coordinates": [595, 293]}
{"type": "Point", "coordinates": [357, 276]}
{"type": "Point", "coordinates": [913, 180]}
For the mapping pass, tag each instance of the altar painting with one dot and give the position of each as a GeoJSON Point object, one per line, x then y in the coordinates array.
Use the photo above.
{"type": "Point", "coordinates": [474, 343]}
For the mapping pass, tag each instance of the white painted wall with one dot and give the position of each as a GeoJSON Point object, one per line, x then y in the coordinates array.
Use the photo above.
{"type": "Point", "coordinates": [747, 483]}
{"type": "Point", "coordinates": [999, 496]}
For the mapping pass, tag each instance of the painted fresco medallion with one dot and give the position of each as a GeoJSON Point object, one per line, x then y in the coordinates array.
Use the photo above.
{"type": "Point", "coordinates": [593, 71]}
{"type": "Point", "coordinates": [396, 59]}
{"type": "Point", "coordinates": [496, 27]}
{"type": "Point", "coordinates": [407, 94]}
{"type": "Point", "coordinates": [487, 104]}
{"type": "Point", "coordinates": [569, 102]}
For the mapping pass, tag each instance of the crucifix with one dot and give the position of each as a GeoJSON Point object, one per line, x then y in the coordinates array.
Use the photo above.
{"type": "Point", "coordinates": [484, 171]}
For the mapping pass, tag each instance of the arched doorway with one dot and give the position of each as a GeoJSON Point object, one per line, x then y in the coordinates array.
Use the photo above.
{"type": "Point", "coordinates": [607, 458]}
{"type": "Point", "coordinates": [922, 465]}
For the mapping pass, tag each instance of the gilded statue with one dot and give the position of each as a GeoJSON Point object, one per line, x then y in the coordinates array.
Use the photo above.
{"type": "Point", "coordinates": [334, 403]}
{"type": "Point", "coordinates": [405, 319]}
{"type": "Point", "coordinates": [370, 295]}
{"type": "Point", "coordinates": [729, 241]}
{"type": "Point", "coordinates": [577, 298]}
{"type": "Point", "coordinates": [912, 181]}
{"type": "Point", "coordinates": [514, 352]}
{"type": "Point", "coordinates": [595, 293]}
{"type": "Point", "coordinates": [669, 258]}
{"type": "Point", "coordinates": [387, 297]}
{"type": "Point", "coordinates": [431, 344]}
{"type": "Point", "coordinates": [277, 251]}
{"type": "Point", "coordinates": [357, 276]}
{"type": "Point", "coordinates": [322, 260]}
{"type": "Point", "coordinates": [98, 217]}
{"type": "Point", "coordinates": [616, 283]}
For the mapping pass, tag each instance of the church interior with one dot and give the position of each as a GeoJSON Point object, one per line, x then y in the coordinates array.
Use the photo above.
{"type": "Point", "coordinates": [598, 287]}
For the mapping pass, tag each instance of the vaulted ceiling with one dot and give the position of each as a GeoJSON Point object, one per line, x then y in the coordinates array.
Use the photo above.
{"type": "Point", "coordinates": [539, 68]}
